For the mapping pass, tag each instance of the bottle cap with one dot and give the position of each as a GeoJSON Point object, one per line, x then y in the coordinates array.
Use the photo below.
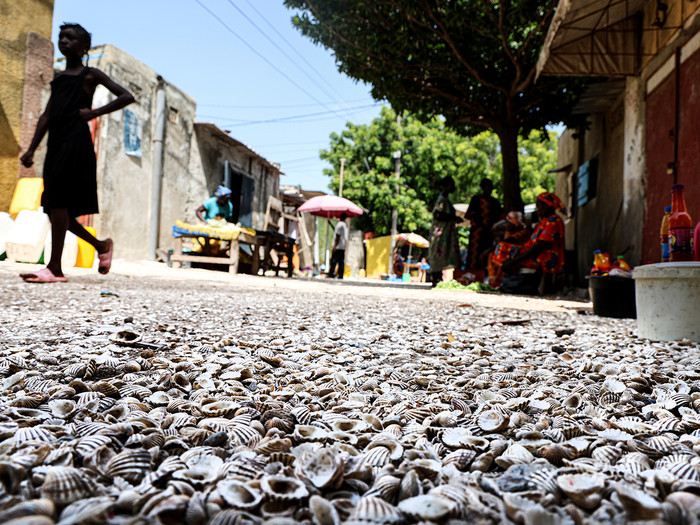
{"type": "Point", "coordinates": [620, 256]}
{"type": "Point", "coordinates": [668, 209]}
{"type": "Point", "coordinates": [677, 187]}
{"type": "Point", "coordinates": [596, 251]}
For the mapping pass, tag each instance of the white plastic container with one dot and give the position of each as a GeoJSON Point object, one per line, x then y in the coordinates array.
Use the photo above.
{"type": "Point", "coordinates": [70, 250]}
{"type": "Point", "coordinates": [6, 223]}
{"type": "Point", "coordinates": [668, 301]}
{"type": "Point", "coordinates": [26, 240]}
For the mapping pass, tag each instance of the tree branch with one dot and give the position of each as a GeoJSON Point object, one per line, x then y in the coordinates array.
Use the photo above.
{"type": "Point", "coordinates": [506, 47]}
{"type": "Point", "coordinates": [444, 34]}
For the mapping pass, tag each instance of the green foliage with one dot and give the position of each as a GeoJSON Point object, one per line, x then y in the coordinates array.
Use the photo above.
{"type": "Point", "coordinates": [471, 63]}
{"type": "Point", "coordinates": [429, 151]}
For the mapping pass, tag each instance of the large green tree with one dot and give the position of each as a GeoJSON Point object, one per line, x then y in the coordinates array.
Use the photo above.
{"type": "Point", "coordinates": [430, 151]}
{"type": "Point", "coordinates": [471, 62]}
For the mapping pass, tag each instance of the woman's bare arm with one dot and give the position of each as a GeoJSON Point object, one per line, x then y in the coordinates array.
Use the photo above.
{"type": "Point", "coordinates": [96, 77]}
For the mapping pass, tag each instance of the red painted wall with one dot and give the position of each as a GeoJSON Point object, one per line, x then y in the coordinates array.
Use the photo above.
{"type": "Point", "coordinates": [659, 152]}
{"type": "Point", "coordinates": [660, 117]}
{"type": "Point", "coordinates": [689, 136]}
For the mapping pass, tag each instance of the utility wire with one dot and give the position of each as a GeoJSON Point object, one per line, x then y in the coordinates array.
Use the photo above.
{"type": "Point", "coordinates": [301, 56]}
{"type": "Point", "coordinates": [235, 106]}
{"type": "Point", "coordinates": [294, 119]}
{"type": "Point", "coordinates": [263, 33]}
{"type": "Point", "coordinates": [356, 108]}
{"type": "Point", "coordinates": [249, 46]}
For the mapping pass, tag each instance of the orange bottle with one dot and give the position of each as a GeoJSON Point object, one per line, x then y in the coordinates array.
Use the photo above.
{"type": "Point", "coordinates": [665, 253]}
{"type": "Point", "coordinates": [621, 263]}
{"type": "Point", "coordinates": [680, 227]}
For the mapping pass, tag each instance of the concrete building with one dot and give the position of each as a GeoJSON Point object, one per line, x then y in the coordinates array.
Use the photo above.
{"type": "Point", "coordinates": [26, 54]}
{"type": "Point", "coordinates": [642, 134]}
{"type": "Point", "coordinates": [195, 158]}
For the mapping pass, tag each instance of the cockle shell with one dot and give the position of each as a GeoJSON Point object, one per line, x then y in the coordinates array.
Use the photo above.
{"type": "Point", "coordinates": [238, 494]}
{"type": "Point", "coordinates": [583, 489]}
{"type": "Point", "coordinates": [323, 512]}
{"type": "Point", "coordinates": [370, 509]}
{"type": "Point", "coordinates": [283, 488]}
{"type": "Point", "coordinates": [492, 421]}
{"type": "Point", "coordinates": [514, 455]}
{"type": "Point", "coordinates": [459, 437]}
{"type": "Point", "coordinates": [322, 468]}
{"type": "Point", "coordinates": [132, 465]}
{"type": "Point", "coordinates": [309, 433]}
{"type": "Point", "coordinates": [64, 485]}
{"type": "Point", "coordinates": [428, 507]}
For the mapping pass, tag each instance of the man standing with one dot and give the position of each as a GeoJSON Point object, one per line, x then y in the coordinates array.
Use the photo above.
{"type": "Point", "coordinates": [340, 239]}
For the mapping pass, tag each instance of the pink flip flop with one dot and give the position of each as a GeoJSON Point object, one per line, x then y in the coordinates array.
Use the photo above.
{"type": "Point", "coordinates": [43, 276]}
{"type": "Point", "coordinates": [106, 258]}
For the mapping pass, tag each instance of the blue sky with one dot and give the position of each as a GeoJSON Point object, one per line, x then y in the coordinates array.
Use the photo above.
{"type": "Point", "coordinates": [282, 99]}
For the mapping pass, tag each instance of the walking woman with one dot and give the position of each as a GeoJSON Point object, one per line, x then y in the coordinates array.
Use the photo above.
{"type": "Point", "coordinates": [70, 180]}
{"type": "Point", "coordinates": [444, 248]}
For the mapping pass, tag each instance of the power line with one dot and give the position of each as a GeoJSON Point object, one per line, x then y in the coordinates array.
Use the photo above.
{"type": "Point", "coordinates": [357, 108]}
{"type": "Point", "coordinates": [301, 56]}
{"type": "Point", "coordinates": [331, 95]}
{"type": "Point", "coordinates": [294, 119]}
{"type": "Point", "coordinates": [246, 106]}
{"type": "Point", "coordinates": [228, 28]}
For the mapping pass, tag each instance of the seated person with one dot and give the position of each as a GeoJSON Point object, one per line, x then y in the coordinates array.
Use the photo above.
{"type": "Point", "coordinates": [217, 207]}
{"type": "Point", "coordinates": [544, 251]}
{"type": "Point", "coordinates": [515, 233]}
{"type": "Point", "coordinates": [398, 264]}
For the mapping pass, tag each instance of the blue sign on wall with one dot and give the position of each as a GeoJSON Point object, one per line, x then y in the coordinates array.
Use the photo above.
{"type": "Point", "coordinates": [132, 134]}
{"type": "Point", "coordinates": [587, 181]}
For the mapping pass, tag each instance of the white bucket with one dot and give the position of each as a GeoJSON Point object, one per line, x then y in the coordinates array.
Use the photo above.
{"type": "Point", "coordinates": [668, 301]}
{"type": "Point", "coordinates": [26, 240]}
{"type": "Point", "coordinates": [70, 250]}
{"type": "Point", "coordinates": [6, 223]}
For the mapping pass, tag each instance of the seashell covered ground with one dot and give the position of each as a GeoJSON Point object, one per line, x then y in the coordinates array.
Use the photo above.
{"type": "Point", "coordinates": [247, 401]}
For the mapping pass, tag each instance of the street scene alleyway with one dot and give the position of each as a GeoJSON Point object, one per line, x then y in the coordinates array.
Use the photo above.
{"type": "Point", "coordinates": [231, 394]}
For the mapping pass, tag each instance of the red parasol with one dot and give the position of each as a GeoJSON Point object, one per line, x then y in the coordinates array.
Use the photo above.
{"type": "Point", "coordinates": [330, 207]}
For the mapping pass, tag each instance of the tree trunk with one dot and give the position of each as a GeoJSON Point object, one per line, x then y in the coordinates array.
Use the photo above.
{"type": "Point", "coordinates": [512, 201]}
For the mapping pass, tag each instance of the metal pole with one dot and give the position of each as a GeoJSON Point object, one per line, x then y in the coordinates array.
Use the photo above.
{"type": "Point", "coordinates": [395, 211]}
{"type": "Point", "coordinates": [157, 172]}
{"type": "Point", "coordinates": [342, 168]}
{"type": "Point", "coordinates": [328, 246]}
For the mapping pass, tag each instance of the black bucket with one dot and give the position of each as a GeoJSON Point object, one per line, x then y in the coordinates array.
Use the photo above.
{"type": "Point", "coordinates": [612, 296]}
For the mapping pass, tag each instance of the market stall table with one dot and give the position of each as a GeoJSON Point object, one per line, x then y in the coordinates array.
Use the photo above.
{"type": "Point", "coordinates": [233, 236]}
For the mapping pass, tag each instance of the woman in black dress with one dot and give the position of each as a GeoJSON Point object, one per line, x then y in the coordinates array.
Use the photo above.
{"type": "Point", "coordinates": [70, 182]}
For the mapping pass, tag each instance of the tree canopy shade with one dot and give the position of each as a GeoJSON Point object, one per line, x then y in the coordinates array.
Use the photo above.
{"type": "Point", "coordinates": [472, 62]}
{"type": "Point", "coordinates": [430, 151]}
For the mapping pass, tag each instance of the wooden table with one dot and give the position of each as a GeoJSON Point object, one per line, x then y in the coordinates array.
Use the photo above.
{"type": "Point", "coordinates": [281, 244]}
{"type": "Point", "coordinates": [178, 257]}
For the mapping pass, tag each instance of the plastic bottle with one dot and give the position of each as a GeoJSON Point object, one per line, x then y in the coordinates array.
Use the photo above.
{"type": "Point", "coordinates": [621, 263]}
{"type": "Point", "coordinates": [680, 227]}
{"type": "Point", "coordinates": [665, 252]}
{"type": "Point", "coordinates": [696, 241]}
{"type": "Point", "coordinates": [601, 263]}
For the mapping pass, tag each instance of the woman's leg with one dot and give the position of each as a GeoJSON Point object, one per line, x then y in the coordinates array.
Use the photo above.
{"type": "Point", "coordinates": [59, 226]}
{"type": "Point", "coordinates": [78, 229]}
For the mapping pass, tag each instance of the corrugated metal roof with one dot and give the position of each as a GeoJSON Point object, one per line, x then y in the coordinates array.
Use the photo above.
{"type": "Point", "coordinates": [592, 37]}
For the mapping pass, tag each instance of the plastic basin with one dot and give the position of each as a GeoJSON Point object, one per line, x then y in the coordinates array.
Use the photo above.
{"type": "Point", "coordinates": [612, 296]}
{"type": "Point", "coordinates": [668, 301]}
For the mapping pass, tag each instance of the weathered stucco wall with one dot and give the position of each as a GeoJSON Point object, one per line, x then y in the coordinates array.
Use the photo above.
{"type": "Point", "coordinates": [215, 148]}
{"type": "Point", "coordinates": [599, 223]}
{"type": "Point", "coordinates": [124, 177]}
{"type": "Point", "coordinates": [18, 20]}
